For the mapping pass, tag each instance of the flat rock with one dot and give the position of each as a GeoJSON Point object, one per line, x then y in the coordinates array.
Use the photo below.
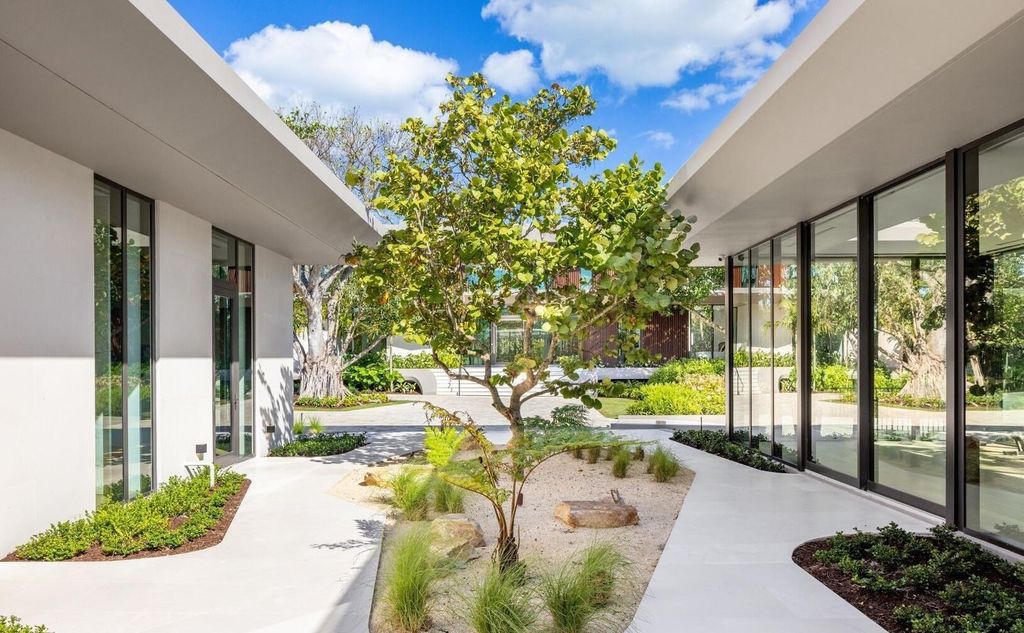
{"type": "Point", "coordinates": [456, 536]}
{"type": "Point", "coordinates": [596, 514]}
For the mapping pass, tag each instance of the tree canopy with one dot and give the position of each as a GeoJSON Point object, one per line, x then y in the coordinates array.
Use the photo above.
{"type": "Point", "coordinates": [498, 216]}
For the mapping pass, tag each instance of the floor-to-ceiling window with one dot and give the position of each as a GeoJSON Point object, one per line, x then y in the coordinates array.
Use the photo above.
{"type": "Point", "coordinates": [994, 350]}
{"type": "Point", "coordinates": [233, 406]}
{"type": "Point", "coordinates": [909, 341]}
{"type": "Point", "coordinates": [123, 253]}
{"type": "Point", "coordinates": [909, 382]}
{"type": "Point", "coordinates": [786, 303]}
{"type": "Point", "coordinates": [742, 282]}
{"type": "Point", "coordinates": [761, 347]}
{"type": "Point", "coordinates": [834, 342]}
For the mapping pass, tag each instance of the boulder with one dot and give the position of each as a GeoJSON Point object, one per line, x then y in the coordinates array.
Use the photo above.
{"type": "Point", "coordinates": [374, 479]}
{"type": "Point", "coordinates": [456, 536]}
{"type": "Point", "coordinates": [596, 514]}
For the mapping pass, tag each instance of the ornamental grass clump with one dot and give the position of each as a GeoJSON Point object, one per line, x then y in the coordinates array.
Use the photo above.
{"type": "Point", "coordinates": [447, 498]}
{"type": "Point", "coordinates": [663, 464]}
{"type": "Point", "coordinates": [411, 570]}
{"type": "Point", "coordinates": [575, 595]}
{"type": "Point", "coordinates": [410, 490]}
{"type": "Point", "coordinates": [593, 454]}
{"type": "Point", "coordinates": [501, 604]}
{"type": "Point", "coordinates": [620, 466]}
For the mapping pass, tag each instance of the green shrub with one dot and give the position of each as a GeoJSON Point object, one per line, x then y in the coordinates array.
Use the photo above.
{"type": "Point", "coordinates": [11, 624]}
{"type": "Point", "coordinates": [717, 443]}
{"type": "Point", "coordinates": [425, 360]}
{"type": "Point", "coordinates": [501, 605]}
{"type": "Point", "coordinates": [699, 394]}
{"type": "Point", "coordinates": [832, 378]}
{"type": "Point", "coordinates": [621, 464]}
{"type": "Point", "coordinates": [569, 416]}
{"type": "Point", "coordinates": [179, 511]}
{"type": "Point", "coordinates": [448, 499]}
{"type": "Point", "coordinates": [675, 370]}
{"type": "Point", "coordinates": [411, 570]}
{"type": "Point", "coordinates": [61, 541]}
{"type": "Point", "coordinates": [410, 490]}
{"type": "Point", "coordinates": [593, 454]}
{"type": "Point", "coordinates": [371, 377]}
{"type": "Point", "coordinates": [320, 445]}
{"type": "Point", "coordinates": [664, 465]}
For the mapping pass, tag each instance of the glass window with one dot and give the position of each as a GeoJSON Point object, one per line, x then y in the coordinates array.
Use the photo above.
{"type": "Point", "coordinates": [786, 296]}
{"type": "Point", "coordinates": [761, 347]}
{"type": "Point", "coordinates": [122, 234]}
{"type": "Point", "coordinates": [742, 279]}
{"type": "Point", "coordinates": [909, 352]}
{"type": "Point", "coordinates": [994, 352]}
{"type": "Point", "coordinates": [244, 276]}
{"type": "Point", "coordinates": [834, 340]}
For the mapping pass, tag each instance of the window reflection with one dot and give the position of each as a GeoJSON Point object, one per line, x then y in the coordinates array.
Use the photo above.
{"type": "Point", "coordinates": [994, 353]}
{"type": "Point", "coordinates": [834, 341]}
{"type": "Point", "coordinates": [910, 338]}
{"type": "Point", "coordinates": [742, 280]}
{"type": "Point", "coordinates": [785, 293]}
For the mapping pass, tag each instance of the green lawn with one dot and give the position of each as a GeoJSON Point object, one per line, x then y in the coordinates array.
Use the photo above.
{"type": "Point", "coordinates": [614, 407]}
{"type": "Point", "coordinates": [372, 405]}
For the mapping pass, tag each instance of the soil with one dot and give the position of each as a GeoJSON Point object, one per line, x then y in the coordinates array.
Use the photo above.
{"type": "Point", "coordinates": [875, 605]}
{"type": "Point", "coordinates": [212, 537]}
{"type": "Point", "coordinates": [544, 541]}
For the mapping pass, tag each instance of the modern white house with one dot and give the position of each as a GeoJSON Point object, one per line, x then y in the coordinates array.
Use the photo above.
{"type": "Point", "coordinates": [873, 181]}
{"type": "Point", "coordinates": [151, 208]}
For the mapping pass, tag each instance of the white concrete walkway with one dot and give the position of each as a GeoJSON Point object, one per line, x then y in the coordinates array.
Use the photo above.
{"type": "Point", "coordinates": [296, 560]}
{"type": "Point", "coordinates": [727, 566]}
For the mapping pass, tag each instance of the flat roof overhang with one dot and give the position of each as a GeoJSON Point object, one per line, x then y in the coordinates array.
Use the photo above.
{"type": "Point", "coordinates": [131, 91]}
{"type": "Point", "coordinates": [871, 90]}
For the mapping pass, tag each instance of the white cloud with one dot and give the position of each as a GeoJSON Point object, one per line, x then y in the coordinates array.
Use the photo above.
{"type": "Point", "coordinates": [341, 65]}
{"type": "Point", "coordinates": [702, 97]}
{"type": "Point", "coordinates": [661, 138]}
{"type": "Point", "coordinates": [512, 72]}
{"type": "Point", "coordinates": [647, 42]}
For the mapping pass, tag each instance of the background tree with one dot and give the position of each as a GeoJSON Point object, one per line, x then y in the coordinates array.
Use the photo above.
{"type": "Point", "coordinates": [354, 149]}
{"type": "Point", "coordinates": [498, 219]}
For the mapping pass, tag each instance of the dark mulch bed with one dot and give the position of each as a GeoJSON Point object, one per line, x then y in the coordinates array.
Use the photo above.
{"type": "Point", "coordinates": [877, 606]}
{"type": "Point", "coordinates": [212, 537]}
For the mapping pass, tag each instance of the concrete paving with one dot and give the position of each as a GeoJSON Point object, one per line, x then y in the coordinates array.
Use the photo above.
{"type": "Point", "coordinates": [410, 414]}
{"type": "Point", "coordinates": [299, 560]}
{"type": "Point", "coordinates": [295, 560]}
{"type": "Point", "coordinates": [727, 566]}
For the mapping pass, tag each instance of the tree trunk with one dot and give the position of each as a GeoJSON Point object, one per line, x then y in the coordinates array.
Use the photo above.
{"type": "Point", "coordinates": [927, 376]}
{"type": "Point", "coordinates": [506, 553]}
{"type": "Point", "coordinates": [321, 377]}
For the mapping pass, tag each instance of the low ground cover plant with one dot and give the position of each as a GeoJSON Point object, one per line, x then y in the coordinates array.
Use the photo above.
{"type": "Point", "coordinates": [941, 583]}
{"type": "Point", "coordinates": [718, 443]}
{"type": "Point", "coordinates": [675, 370]}
{"type": "Point", "coordinates": [335, 402]}
{"type": "Point", "coordinates": [11, 624]}
{"type": "Point", "coordinates": [320, 445]}
{"type": "Point", "coordinates": [180, 511]}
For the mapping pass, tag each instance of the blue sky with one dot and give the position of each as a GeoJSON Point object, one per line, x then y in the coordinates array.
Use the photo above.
{"type": "Point", "coordinates": [664, 72]}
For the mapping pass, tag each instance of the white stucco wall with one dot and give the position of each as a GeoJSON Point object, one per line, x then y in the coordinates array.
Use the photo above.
{"type": "Point", "coordinates": [183, 384]}
{"type": "Point", "coordinates": [273, 307]}
{"type": "Point", "coordinates": [47, 442]}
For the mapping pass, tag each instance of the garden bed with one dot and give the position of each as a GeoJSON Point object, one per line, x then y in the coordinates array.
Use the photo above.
{"type": "Point", "coordinates": [909, 583]}
{"type": "Point", "coordinates": [545, 542]}
{"type": "Point", "coordinates": [717, 443]}
{"type": "Point", "coordinates": [320, 445]}
{"type": "Point", "coordinates": [152, 526]}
